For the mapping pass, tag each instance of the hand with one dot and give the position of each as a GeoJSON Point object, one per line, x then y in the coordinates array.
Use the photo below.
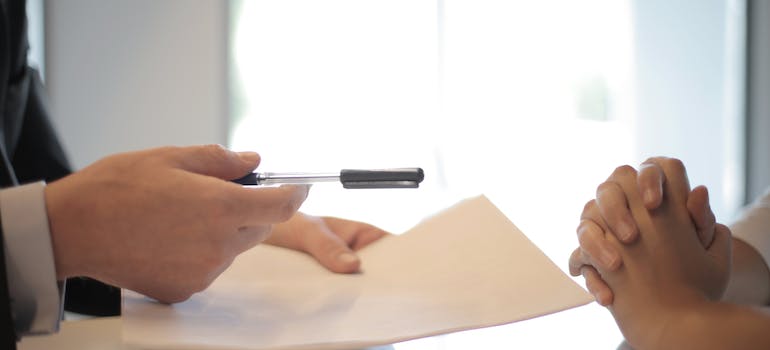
{"type": "Point", "coordinates": [164, 222]}
{"type": "Point", "coordinates": [609, 214]}
{"type": "Point", "coordinates": [329, 240]}
{"type": "Point", "coordinates": [667, 269]}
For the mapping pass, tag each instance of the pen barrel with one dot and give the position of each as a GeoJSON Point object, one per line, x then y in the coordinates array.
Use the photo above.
{"type": "Point", "coordinates": [296, 178]}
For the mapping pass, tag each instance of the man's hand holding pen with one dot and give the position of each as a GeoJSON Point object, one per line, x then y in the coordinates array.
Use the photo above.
{"type": "Point", "coordinates": [162, 222]}
{"type": "Point", "coordinates": [166, 222]}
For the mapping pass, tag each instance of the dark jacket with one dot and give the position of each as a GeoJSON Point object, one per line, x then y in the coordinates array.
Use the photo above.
{"type": "Point", "coordinates": [30, 151]}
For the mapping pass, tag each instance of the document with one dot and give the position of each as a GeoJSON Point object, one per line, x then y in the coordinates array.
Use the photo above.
{"type": "Point", "coordinates": [465, 267]}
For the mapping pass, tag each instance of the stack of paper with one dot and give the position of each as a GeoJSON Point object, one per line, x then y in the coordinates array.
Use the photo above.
{"type": "Point", "coordinates": [466, 267]}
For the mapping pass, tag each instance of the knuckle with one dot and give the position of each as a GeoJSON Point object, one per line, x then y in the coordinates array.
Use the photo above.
{"type": "Point", "coordinates": [287, 210]}
{"type": "Point", "coordinates": [212, 258]}
{"type": "Point", "coordinates": [583, 239]}
{"type": "Point", "coordinates": [215, 150]}
{"type": "Point", "coordinates": [180, 297]}
{"type": "Point", "coordinates": [221, 206]}
{"type": "Point", "coordinates": [174, 298]}
{"type": "Point", "coordinates": [676, 165]}
{"type": "Point", "coordinates": [214, 147]}
{"type": "Point", "coordinates": [167, 149]}
{"type": "Point", "coordinates": [576, 261]}
{"type": "Point", "coordinates": [202, 284]}
{"type": "Point", "coordinates": [654, 160]}
{"type": "Point", "coordinates": [667, 164]}
{"type": "Point", "coordinates": [607, 194]}
{"type": "Point", "coordinates": [604, 187]}
{"type": "Point", "coordinates": [289, 207]}
{"type": "Point", "coordinates": [216, 213]}
{"type": "Point", "coordinates": [589, 206]}
{"type": "Point", "coordinates": [624, 170]}
{"type": "Point", "coordinates": [263, 231]}
{"type": "Point", "coordinates": [585, 234]}
{"type": "Point", "coordinates": [161, 154]}
{"type": "Point", "coordinates": [590, 241]}
{"type": "Point", "coordinates": [254, 235]}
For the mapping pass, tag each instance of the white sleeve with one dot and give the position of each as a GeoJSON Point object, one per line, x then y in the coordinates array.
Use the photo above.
{"type": "Point", "coordinates": [36, 299]}
{"type": "Point", "coordinates": [753, 226]}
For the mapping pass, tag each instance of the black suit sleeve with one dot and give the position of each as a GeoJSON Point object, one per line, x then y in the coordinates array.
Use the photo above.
{"type": "Point", "coordinates": [30, 151]}
{"type": "Point", "coordinates": [7, 334]}
{"type": "Point", "coordinates": [39, 155]}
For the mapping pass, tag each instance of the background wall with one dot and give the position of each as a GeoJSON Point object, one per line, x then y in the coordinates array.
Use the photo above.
{"type": "Point", "coordinates": [689, 72]}
{"type": "Point", "coordinates": [757, 101]}
{"type": "Point", "coordinates": [126, 75]}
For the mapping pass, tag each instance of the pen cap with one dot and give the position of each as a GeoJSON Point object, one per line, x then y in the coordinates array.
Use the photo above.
{"type": "Point", "coordinates": [382, 178]}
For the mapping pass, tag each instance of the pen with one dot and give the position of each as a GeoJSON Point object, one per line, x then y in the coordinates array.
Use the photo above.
{"type": "Point", "coordinates": [350, 178]}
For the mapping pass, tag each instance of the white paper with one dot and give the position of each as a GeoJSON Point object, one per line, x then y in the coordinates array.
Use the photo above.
{"type": "Point", "coordinates": [466, 267]}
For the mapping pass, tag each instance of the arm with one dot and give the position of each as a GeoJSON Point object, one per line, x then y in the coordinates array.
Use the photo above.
{"type": "Point", "coordinates": [36, 298]}
{"type": "Point", "coordinates": [715, 325]}
{"type": "Point", "coordinates": [750, 279]}
{"type": "Point", "coordinates": [34, 154]}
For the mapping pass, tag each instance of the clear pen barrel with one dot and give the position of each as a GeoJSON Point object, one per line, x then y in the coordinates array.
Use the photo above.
{"type": "Point", "coordinates": [296, 178]}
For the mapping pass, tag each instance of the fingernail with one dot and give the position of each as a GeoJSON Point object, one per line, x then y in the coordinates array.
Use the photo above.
{"type": "Point", "coordinates": [307, 190]}
{"type": "Point", "coordinates": [249, 157]}
{"type": "Point", "coordinates": [304, 189]}
{"type": "Point", "coordinates": [347, 258]}
{"type": "Point", "coordinates": [601, 298]}
{"type": "Point", "coordinates": [608, 258]}
{"type": "Point", "coordinates": [596, 297]}
{"type": "Point", "coordinates": [649, 196]}
{"type": "Point", "coordinates": [626, 231]}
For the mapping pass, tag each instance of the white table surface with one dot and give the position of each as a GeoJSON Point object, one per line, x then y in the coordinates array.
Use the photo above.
{"type": "Point", "coordinates": [572, 327]}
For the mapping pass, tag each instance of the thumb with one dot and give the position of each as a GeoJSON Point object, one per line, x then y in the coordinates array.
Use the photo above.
{"type": "Point", "coordinates": [215, 160]}
{"type": "Point", "coordinates": [332, 252]}
{"type": "Point", "coordinates": [722, 247]}
{"type": "Point", "coordinates": [701, 215]}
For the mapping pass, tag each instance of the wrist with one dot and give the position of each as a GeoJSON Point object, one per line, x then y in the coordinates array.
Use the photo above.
{"type": "Point", "coordinates": [653, 321]}
{"type": "Point", "coordinates": [677, 322]}
{"type": "Point", "coordinates": [63, 244]}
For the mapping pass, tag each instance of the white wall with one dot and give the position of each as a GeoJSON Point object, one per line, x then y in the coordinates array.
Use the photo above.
{"type": "Point", "coordinates": [689, 65]}
{"type": "Point", "coordinates": [131, 74]}
{"type": "Point", "coordinates": [758, 104]}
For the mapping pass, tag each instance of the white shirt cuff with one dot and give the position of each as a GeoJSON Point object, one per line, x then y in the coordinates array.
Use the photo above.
{"type": "Point", "coordinates": [753, 226]}
{"type": "Point", "coordinates": [36, 300]}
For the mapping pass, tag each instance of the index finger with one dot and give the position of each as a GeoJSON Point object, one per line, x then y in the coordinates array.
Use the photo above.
{"type": "Point", "coordinates": [677, 184]}
{"type": "Point", "coordinates": [612, 205]}
{"type": "Point", "coordinates": [650, 180]}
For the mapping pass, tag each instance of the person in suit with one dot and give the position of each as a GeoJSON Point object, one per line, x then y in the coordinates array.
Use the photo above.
{"type": "Point", "coordinates": [164, 222]}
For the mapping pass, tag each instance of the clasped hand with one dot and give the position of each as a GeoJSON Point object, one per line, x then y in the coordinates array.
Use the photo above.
{"type": "Point", "coordinates": [649, 245]}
